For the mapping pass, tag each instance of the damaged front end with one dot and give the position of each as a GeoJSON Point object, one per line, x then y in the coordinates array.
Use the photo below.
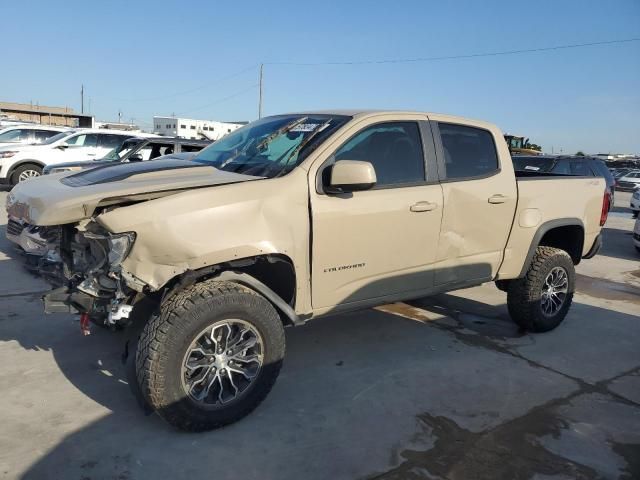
{"type": "Point", "coordinates": [83, 263]}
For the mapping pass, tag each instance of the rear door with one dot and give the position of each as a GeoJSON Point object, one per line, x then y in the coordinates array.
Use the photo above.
{"type": "Point", "coordinates": [383, 241]}
{"type": "Point", "coordinates": [480, 197]}
{"type": "Point", "coordinates": [80, 147]}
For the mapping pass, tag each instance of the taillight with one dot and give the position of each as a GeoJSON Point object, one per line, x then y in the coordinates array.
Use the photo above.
{"type": "Point", "coordinates": [606, 203]}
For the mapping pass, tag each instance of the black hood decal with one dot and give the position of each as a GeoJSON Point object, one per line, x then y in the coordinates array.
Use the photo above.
{"type": "Point", "coordinates": [122, 171]}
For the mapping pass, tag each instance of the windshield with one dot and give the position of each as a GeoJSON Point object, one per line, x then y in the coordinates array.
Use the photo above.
{"type": "Point", "coordinates": [121, 151]}
{"type": "Point", "coordinates": [57, 137]}
{"type": "Point", "coordinates": [271, 147]}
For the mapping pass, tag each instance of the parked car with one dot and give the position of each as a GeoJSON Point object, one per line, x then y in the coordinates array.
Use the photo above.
{"type": "Point", "coordinates": [636, 234]}
{"type": "Point", "coordinates": [635, 202]}
{"type": "Point", "coordinates": [134, 150]}
{"type": "Point", "coordinates": [22, 162]}
{"type": "Point", "coordinates": [28, 134]}
{"type": "Point", "coordinates": [290, 218]}
{"type": "Point", "coordinates": [621, 172]}
{"type": "Point", "coordinates": [629, 182]}
{"type": "Point", "coordinates": [566, 165]}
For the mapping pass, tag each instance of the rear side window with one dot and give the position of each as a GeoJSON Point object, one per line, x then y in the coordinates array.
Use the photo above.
{"type": "Point", "coordinates": [83, 140]}
{"type": "Point", "coordinates": [111, 141]}
{"type": "Point", "coordinates": [42, 135]}
{"type": "Point", "coordinates": [14, 136]}
{"type": "Point", "coordinates": [394, 149]}
{"type": "Point", "coordinates": [468, 151]}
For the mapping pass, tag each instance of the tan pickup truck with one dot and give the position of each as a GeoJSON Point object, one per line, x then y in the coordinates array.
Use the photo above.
{"type": "Point", "coordinates": [290, 218]}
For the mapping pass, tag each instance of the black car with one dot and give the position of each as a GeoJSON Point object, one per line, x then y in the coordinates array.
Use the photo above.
{"type": "Point", "coordinates": [135, 150]}
{"type": "Point", "coordinates": [566, 165]}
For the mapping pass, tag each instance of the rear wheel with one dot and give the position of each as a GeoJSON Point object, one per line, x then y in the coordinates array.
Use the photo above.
{"type": "Point", "coordinates": [25, 172]}
{"type": "Point", "coordinates": [211, 356]}
{"type": "Point", "coordinates": [540, 300]}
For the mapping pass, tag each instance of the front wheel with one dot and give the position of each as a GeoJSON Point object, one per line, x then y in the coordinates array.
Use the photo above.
{"type": "Point", "coordinates": [540, 300]}
{"type": "Point", "coordinates": [211, 356]}
{"type": "Point", "coordinates": [25, 172]}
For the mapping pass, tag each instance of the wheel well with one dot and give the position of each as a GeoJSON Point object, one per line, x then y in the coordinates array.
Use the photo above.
{"type": "Point", "coordinates": [21, 163]}
{"type": "Point", "coordinates": [569, 238]}
{"type": "Point", "coordinates": [276, 271]}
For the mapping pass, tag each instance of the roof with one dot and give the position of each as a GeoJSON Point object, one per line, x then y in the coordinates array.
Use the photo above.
{"type": "Point", "coordinates": [36, 126]}
{"type": "Point", "coordinates": [177, 140]}
{"type": "Point", "coordinates": [362, 113]}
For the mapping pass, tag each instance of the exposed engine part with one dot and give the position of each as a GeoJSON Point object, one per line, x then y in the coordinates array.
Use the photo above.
{"type": "Point", "coordinates": [120, 312]}
{"type": "Point", "coordinates": [85, 261]}
{"type": "Point", "coordinates": [85, 324]}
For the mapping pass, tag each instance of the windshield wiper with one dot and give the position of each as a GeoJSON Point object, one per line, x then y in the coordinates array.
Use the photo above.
{"type": "Point", "coordinates": [281, 131]}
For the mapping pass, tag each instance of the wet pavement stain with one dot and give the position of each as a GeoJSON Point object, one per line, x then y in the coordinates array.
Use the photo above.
{"type": "Point", "coordinates": [511, 450]}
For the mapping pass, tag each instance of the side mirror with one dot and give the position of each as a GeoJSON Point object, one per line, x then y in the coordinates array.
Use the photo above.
{"type": "Point", "coordinates": [63, 146]}
{"type": "Point", "coordinates": [351, 176]}
{"type": "Point", "coordinates": [135, 158]}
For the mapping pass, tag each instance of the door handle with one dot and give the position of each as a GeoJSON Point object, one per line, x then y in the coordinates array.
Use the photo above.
{"type": "Point", "coordinates": [498, 198]}
{"type": "Point", "coordinates": [423, 207]}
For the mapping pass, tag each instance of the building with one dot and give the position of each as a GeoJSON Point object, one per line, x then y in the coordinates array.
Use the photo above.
{"type": "Point", "coordinates": [60, 116]}
{"type": "Point", "coordinates": [193, 129]}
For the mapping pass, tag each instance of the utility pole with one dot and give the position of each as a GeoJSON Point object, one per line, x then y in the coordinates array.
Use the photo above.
{"type": "Point", "coordinates": [82, 98]}
{"type": "Point", "coordinates": [260, 92]}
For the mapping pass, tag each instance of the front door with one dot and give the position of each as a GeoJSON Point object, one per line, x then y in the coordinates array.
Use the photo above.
{"type": "Point", "coordinates": [371, 244]}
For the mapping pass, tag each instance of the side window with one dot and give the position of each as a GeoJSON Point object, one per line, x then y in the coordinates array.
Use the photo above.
{"type": "Point", "coordinates": [468, 151]}
{"type": "Point", "coordinates": [581, 168]}
{"type": "Point", "coordinates": [15, 136]}
{"type": "Point", "coordinates": [562, 167]}
{"type": "Point", "coordinates": [394, 149]}
{"type": "Point", "coordinates": [83, 140]}
{"type": "Point", "coordinates": [42, 135]}
{"type": "Point", "coordinates": [111, 141]}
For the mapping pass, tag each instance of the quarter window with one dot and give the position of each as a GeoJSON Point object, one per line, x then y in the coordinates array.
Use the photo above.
{"type": "Point", "coordinates": [111, 141]}
{"type": "Point", "coordinates": [42, 135]}
{"type": "Point", "coordinates": [468, 151]}
{"type": "Point", "coordinates": [394, 149]}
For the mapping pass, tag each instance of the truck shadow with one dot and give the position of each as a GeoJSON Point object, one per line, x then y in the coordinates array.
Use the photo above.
{"type": "Point", "coordinates": [349, 394]}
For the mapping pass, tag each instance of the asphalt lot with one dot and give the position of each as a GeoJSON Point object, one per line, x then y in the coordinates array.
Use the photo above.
{"type": "Point", "coordinates": [446, 387]}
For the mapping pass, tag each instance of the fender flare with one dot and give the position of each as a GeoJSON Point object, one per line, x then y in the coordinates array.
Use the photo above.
{"type": "Point", "coordinates": [542, 230]}
{"type": "Point", "coordinates": [23, 162]}
{"type": "Point", "coordinates": [262, 289]}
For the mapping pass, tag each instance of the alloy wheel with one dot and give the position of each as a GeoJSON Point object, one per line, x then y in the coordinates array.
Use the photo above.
{"type": "Point", "coordinates": [554, 291]}
{"type": "Point", "coordinates": [222, 363]}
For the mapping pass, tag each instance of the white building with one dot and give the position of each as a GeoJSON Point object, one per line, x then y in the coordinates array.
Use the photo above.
{"type": "Point", "coordinates": [192, 129]}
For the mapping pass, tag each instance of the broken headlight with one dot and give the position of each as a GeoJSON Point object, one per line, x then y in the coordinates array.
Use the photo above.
{"type": "Point", "coordinates": [119, 247]}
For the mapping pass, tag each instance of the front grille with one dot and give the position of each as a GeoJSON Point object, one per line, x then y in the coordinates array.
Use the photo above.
{"type": "Point", "coordinates": [626, 185]}
{"type": "Point", "coordinates": [14, 228]}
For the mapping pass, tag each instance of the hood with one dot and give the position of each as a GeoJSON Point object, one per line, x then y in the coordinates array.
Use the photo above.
{"type": "Point", "coordinates": [67, 198]}
{"type": "Point", "coordinates": [19, 147]}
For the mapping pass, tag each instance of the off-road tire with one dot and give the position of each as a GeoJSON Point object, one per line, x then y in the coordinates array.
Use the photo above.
{"type": "Point", "coordinates": [15, 176]}
{"type": "Point", "coordinates": [166, 337]}
{"type": "Point", "coordinates": [524, 294]}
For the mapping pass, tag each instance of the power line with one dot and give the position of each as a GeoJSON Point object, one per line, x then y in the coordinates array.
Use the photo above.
{"type": "Point", "coordinates": [185, 92]}
{"type": "Point", "coordinates": [220, 100]}
{"type": "Point", "coordinates": [456, 57]}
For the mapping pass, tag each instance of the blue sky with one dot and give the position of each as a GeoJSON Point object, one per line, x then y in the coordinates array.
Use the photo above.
{"type": "Point", "coordinates": [199, 58]}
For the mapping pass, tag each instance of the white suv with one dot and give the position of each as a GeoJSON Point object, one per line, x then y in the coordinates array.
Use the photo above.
{"type": "Point", "coordinates": [28, 134]}
{"type": "Point", "coordinates": [21, 162]}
